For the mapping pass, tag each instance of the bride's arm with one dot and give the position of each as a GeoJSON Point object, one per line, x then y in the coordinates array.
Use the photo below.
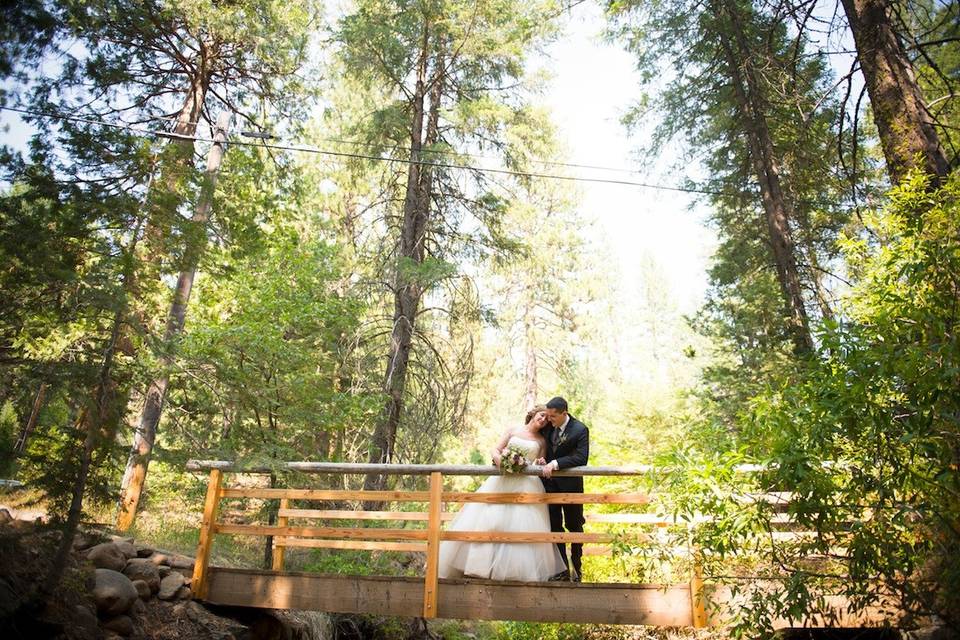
{"type": "Point", "coordinates": [501, 443]}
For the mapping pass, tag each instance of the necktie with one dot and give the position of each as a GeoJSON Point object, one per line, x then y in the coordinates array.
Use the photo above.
{"type": "Point", "coordinates": [556, 435]}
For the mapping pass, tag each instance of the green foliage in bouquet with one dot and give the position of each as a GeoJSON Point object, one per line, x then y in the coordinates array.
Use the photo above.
{"type": "Point", "coordinates": [512, 459]}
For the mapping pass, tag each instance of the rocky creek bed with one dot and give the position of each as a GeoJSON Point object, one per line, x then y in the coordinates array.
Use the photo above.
{"type": "Point", "coordinates": [115, 588]}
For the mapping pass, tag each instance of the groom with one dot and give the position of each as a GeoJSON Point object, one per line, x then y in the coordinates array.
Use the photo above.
{"type": "Point", "coordinates": [568, 445]}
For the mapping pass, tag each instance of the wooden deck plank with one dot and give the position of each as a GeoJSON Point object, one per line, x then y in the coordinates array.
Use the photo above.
{"type": "Point", "coordinates": [461, 599]}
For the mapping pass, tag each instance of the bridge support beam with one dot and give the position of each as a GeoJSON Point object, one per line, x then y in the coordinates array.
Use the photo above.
{"type": "Point", "coordinates": [458, 599]}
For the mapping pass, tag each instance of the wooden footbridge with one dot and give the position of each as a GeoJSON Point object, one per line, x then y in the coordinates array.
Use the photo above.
{"type": "Point", "coordinates": [422, 531]}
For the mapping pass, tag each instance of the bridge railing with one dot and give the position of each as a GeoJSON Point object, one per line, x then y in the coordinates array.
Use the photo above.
{"type": "Point", "coordinates": [289, 532]}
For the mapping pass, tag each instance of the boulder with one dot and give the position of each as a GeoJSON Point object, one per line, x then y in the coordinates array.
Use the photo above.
{"type": "Point", "coordinates": [184, 593]}
{"type": "Point", "coordinates": [163, 570]}
{"type": "Point", "coordinates": [138, 609]}
{"type": "Point", "coordinates": [113, 592]}
{"type": "Point", "coordinates": [5, 517]}
{"type": "Point", "coordinates": [126, 548]}
{"type": "Point", "coordinates": [25, 527]}
{"type": "Point", "coordinates": [85, 623]}
{"type": "Point", "coordinates": [144, 551]}
{"type": "Point", "coordinates": [181, 562]}
{"type": "Point", "coordinates": [143, 589]}
{"type": "Point", "coordinates": [119, 624]}
{"type": "Point", "coordinates": [83, 540]}
{"type": "Point", "coordinates": [143, 569]}
{"type": "Point", "coordinates": [170, 585]}
{"type": "Point", "coordinates": [107, 556]}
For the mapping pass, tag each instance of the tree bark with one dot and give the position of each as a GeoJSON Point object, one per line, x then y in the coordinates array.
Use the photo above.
{"type": "Point", "coordinates": [778, 210]}
{"type": "Point", "coordinates": [530, 355]}
{"type": "Point", "coordinates": [31, 424]}
{"type": "Point", "coordinates": [409, 288]}
{"type": "Point", "coordinates": [906, 130]}
{"type": "Point", "coordinates": [93, 422]}
{"type": "Point", "coordinates": [164, 201]}
{"type": "Point", "coordinates": [136, 470]}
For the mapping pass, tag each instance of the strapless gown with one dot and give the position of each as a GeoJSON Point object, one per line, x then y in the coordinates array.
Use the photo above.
{"type": "Point", "coordinates": [524, 561]}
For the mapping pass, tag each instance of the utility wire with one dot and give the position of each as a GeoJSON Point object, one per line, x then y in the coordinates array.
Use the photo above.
{"type": "Point", "coordinates": [375, 158]}
{"type": "Point", "coordinates": [363, 156]}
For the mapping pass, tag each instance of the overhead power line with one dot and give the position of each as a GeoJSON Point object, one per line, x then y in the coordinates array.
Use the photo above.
{"type": "Point", "coordinates": [375, 158]}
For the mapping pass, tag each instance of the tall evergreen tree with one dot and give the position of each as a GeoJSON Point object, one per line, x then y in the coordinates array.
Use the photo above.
{"type": "Point", "coordinates": [449, 73]}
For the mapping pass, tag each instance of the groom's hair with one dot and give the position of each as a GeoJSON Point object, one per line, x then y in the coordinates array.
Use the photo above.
{"type": "Point", "coordinates": [557, 404]}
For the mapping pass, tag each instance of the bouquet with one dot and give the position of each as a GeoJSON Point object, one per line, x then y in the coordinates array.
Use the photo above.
{"type": "Point", "coordinates": [512, 459]}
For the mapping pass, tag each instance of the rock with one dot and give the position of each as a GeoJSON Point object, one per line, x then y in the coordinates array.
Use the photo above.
{"type": "Point", "coordinates": [163, 570]}
{"type": "Point", "coordinates": [23, 526]}
{"type": "Point", "coordinates": [184, 593]}
{"type": "Point", "coordinates": [143, 589]}
{"type": "Point", "coordinates": [107, 556]}
{"type": "Point", "coordinates": [5, 517]}
{"type": "Point", "coordinates": [83, 541]}
{"type": "Point", "coordinates": [170, 585]}
{"type": "Point", "coordinates": [126, 548]}
{"type": "Point", "coordinates": [113, 592]}
{"type": "Point", "coordinates": [181, 562]}
{"type": "Point", "coordinates": [138, 609]}
{"type": "Point", "coordinates": [85, 623]}
{"type": "Point", "coordinates": [144, 551]}
{"type": "Point", "coordinates": [143, 569]}
{"type": "Point", "coordinates": [119, 624]}
{"type": "Point", "coordinates": [195, 611]}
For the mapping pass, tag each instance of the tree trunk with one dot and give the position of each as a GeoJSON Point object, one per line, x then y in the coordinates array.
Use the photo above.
{"type": "Point", "coordinates": [530, 355]}
{"type": "Point", "coordinates": [93, 421]}
{"type": "Point", "coordinates": [777, 209]}
{"type": "Point", "coordinates": [907, 134]}
{"type": "Point", "coordinates": [409, 289]}
{"type": "Point", "coordinates": [145, 435]}
{"type": "Point", "coordinates": [178, 161]}
{"type": "Point", "coordinates": [31, 424]}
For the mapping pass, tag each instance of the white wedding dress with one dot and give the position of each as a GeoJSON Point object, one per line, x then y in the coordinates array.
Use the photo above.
{"type": "Point", "coordinates": [524, 561]}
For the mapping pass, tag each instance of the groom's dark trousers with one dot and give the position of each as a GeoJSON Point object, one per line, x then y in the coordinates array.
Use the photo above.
{"type": "Point", "coordinates": [569, 449]}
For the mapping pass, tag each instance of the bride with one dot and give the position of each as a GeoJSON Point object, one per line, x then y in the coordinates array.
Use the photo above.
{"type": "Point", "coordinates": [524, 561]}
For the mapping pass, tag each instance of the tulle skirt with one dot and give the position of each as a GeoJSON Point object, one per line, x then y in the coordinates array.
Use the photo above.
{"type": "Point", "coordinates": [527, 562]}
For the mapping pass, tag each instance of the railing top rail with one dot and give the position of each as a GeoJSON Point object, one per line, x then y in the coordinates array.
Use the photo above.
{"type": "Point", "coordinates": [427, 469]}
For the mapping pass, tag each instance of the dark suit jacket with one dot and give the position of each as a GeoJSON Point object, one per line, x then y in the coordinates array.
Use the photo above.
{"type": "Point", "coordinates": [572, 451]}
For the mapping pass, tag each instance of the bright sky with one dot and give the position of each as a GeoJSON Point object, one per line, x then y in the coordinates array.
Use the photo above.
{"type": "Point", "coordinates": [594, 84]}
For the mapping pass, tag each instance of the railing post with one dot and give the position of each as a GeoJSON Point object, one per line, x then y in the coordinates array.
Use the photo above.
{"type": "Point", "coordinates": [698, 597]}
{"type": "Point", "coordinates": [278, 547]}
{"type": "Point", "coordinates": [207, 530]}
{"type": "Point", "coordinates": [433, 547]}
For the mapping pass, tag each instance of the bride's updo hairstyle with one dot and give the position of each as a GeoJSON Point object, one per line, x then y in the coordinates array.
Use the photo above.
{"type": "Point", "coordinates": [534, 411]}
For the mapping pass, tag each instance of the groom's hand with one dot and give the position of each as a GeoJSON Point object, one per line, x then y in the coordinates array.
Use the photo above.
{"type": "Point", "coordinates": [547, 470]}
